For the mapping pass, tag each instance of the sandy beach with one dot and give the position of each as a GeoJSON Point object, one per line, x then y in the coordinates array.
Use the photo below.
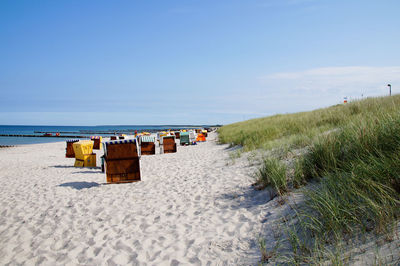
{"type": "Point", "coordinates": [191, 207]}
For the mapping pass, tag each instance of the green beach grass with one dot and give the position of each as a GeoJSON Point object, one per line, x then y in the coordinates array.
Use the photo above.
{"type": "Point", "coordinates": [350, 152]}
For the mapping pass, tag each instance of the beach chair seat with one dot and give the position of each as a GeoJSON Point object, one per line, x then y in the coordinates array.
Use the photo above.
{"type": "Point", "coordinates": [69, 150]}
{"type": "Point", "coordinates": [84, 156]}
{"type": "Point", "coordinates": [167, 144]}
{"type": "Point", "coordinates": [147, 145]}
{"type": "Point", "coordinates": [97, 142]}
{"type": "Point", "coordinates": [121, 159]}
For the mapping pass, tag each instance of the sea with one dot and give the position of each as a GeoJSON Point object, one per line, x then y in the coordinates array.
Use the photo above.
{"type": "Point", "coordinates": [36, 133]}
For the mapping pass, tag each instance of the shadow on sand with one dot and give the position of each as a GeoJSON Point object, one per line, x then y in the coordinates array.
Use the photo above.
{"type": "Point", "coordinates": [247, 199]}
{"type": "Point", "coordinates": [62, 166]}
{"type": "Point", "coordinates": [80, 185]}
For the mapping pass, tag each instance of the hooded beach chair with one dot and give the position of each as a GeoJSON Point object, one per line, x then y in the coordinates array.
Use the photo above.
{"type": "Point", "coordinates": [97, 142]}
{"type": "Point", "coordinates": [200, 137]}
{"type": "Point", "coordinates": [121, 161]}
{"type": "Point", "coordinates": [167, 144]}
{"type": "Point", "coordinates": [192, 137]}
{"type": "Point", "coordinates": [160, 135]}
{"type": "Point", "coordinates": [69, 150]}
{"type": "Point", "coordinates": [177, 134]}
{"type": "Point", "coordinates": [184, 140]}
{"type": "Point", "coordinates": [84, 156]}
{"type": "Point", "coordinates": [147, 145]}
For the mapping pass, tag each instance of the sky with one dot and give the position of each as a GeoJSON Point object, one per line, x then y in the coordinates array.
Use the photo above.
{"type": "Point", "coordinates": [191, 61]}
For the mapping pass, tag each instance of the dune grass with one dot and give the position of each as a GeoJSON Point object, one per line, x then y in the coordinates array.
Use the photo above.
{"type": "Point", "coordinates": [359, 169]}
{"type": "Point", "coordinates": [352, 151]}
{"type": "Point", "coordinates": [299, 129]}
{"type": "Point", "coordinates": [273, 172]}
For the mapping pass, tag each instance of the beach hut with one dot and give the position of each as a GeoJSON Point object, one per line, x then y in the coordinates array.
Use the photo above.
{"type": "Point", "coordinates": [84, 156]}
{"type": "Point", "coordinates": [97, 142]}
{"type": "Point", "coordinates": [69, 150]}
{"type": "Point", "coordinates": [147, 145]}
{"type": "Point", "coordinates": [184, 140]}
{"type": "Point", "coordinates": [121, 159]}
{"type": "Point", "coordinates": [167, 144]}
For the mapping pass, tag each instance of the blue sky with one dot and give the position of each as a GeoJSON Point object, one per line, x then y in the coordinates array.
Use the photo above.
{"type": "Point", "coordinates": [191, 61]}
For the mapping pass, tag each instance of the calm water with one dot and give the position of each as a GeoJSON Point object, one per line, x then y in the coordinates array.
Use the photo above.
{"type": "Point", "coordinates": [69, 130]}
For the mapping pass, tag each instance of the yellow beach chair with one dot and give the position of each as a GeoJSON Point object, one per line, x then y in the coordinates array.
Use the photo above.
{"type": "Point", "coordinates": [84, 156]}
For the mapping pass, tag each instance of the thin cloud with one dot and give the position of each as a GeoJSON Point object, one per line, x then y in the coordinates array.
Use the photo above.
{"type": "Point", "coordinates": [351, 80]}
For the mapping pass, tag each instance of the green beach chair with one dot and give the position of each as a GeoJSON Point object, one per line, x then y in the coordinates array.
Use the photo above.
{"type": "Point", "coordinates": [184, 140]}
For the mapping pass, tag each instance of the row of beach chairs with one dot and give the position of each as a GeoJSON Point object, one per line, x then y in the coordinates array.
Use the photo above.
{"type": "Point", "coordinates": [121, 159]}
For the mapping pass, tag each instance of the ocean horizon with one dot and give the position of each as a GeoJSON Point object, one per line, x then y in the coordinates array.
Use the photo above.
{"type": "Point", "coordinates": [67, 131]}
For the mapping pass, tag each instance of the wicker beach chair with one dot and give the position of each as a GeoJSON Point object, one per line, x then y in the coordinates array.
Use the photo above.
{"type": "Point", "coordinates": [167, 144]}
{"type": "Point", "coordinates": [161, 134]}
{"type": "Point", "coordinates": [147, 145]}
{"type": "Point", "coordinates": [200, 138]}
{"type": "Point", "coordinates": [121, 159]}
{"type": "Point", "coordinates": [69, 150]}
{"type": "Point", "coordinates": [97, 142]}
{"type": "Point", "coordinates": [184, 140]}
{"type": "Point", "coordinates": [192, 137]}
{"type": "Point", "coordinates": [177, 134]}
{"type": "Point", "coordinates": [84, 156]}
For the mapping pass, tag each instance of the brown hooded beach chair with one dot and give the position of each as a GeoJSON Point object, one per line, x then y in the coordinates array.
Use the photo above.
{"type": "Point", "coordinates": [167, 144]}
{"type": "Point", "coordinates": [69, 151]}
{"type": "Point", "coordinates": [122, 161]}
{"type": "Point", "coordinates": [147, 145]}
{"type": "Point", "coordinates": [97, 142]}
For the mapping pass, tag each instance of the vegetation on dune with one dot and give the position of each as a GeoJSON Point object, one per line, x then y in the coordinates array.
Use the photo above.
{"type": "Point", "coordinates": [299, 129]}
{"type": "Point", "coordinates": [352, 151]}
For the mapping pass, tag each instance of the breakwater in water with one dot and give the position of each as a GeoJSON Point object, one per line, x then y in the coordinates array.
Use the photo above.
{"type": "Point", "coordinates": [44, 136]}
{"type": "Point", "coordinates": [16, 135]}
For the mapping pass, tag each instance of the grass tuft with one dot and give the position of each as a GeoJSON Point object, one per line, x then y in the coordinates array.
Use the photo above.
{"type": "Point", "coordinates": [273, 173]}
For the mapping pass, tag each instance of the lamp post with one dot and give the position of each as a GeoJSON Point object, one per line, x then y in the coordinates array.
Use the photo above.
{"type": "Point", "coordinates": [390, 89]}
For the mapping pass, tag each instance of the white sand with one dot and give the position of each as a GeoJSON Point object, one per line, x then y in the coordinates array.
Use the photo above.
{"type": "Point", "coordinates": [191, 207]}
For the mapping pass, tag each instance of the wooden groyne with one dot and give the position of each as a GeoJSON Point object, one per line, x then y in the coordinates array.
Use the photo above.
{"type": "Point", "coordinates": [109, 132]}
{"type": "Point", "coordinates": [43, 136]}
